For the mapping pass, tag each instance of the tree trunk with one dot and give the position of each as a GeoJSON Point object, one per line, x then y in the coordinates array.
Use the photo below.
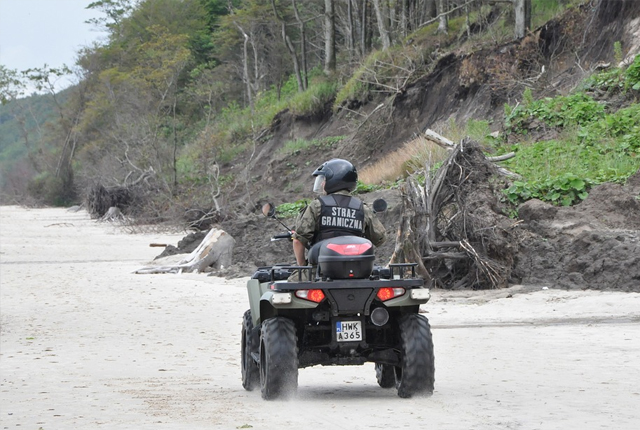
{"type": "Point", "coordinates": [329, 37]}
{"type": "Point", "coordinates": [523, 17]}
{"type": "Point", "coordinates": [431, 10]}
{"type": "Point", "coordinates": [290, 48]}
{"type": "Point", "coordinates": [364, 28]}
{"type": "Point", "coordinates": [404, 18]}
{"type": "Point", "coordinates": [443, 27]}
{"type": "Point", "coordinates": [245, 67]}
{"type": "Point", "coordinates": [382, 25]}
{"type": "Point", "coordinates": [351, 41]}
{"type": "Point", "coordinates": [303, 45]}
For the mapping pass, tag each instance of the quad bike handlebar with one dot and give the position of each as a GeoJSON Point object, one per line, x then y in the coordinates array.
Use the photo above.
{"type": "Point", "coordinates": [281, 236]}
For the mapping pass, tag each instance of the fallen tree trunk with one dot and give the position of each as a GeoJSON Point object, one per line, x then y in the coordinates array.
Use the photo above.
{"type": "Point", "coordinates": [453, 226]}
{"type": "Point", "coordinates": [214, 252]}
{"type": "Point", "coordinates": [409, 238]}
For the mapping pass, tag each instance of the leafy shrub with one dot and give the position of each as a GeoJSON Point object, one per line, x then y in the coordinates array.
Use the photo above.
{"type": "Point", "coordinates": [610, 80]}
{"type": "Point", "coordinates": [290, 210]}
{"type": "Point", "coordinates": [362, 188]}
{"type": "Point", "coordinates": [558, 112]}
{"type": "Point", "coordinates": [621, 129]}
{"type": "Point", "coordinates": [632, 75]}
{"type": "Point", "coordinates": [565, 190]}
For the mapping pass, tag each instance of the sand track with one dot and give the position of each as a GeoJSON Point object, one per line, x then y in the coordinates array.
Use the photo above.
{"type": "Point", "coordinates": [87, 344]}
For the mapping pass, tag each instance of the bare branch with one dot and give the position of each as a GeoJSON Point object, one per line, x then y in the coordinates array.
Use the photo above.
{"type": "Point", "coordinates": [438, 139]}
{"type": "Point", "coordinates": [502, 157]}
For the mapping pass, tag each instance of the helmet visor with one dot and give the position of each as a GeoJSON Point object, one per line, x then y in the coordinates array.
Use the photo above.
{"type": "Point", "coordinates": [318, 185]}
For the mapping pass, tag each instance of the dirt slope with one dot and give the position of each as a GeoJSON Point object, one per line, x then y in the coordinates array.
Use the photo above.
{"type": "Point", "coordinates": [465, 84]}
{"type": "Point", "coordinates": [595, 244]}
{"type": "Point", "coordinates": [592, 245]}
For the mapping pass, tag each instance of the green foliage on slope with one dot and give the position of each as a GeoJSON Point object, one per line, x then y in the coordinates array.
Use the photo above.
{"type": "Point", "coordinates": [596, 144]}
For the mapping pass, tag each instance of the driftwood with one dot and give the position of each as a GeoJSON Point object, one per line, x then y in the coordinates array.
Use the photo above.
{"type": "Point", "coordinates": [450, 225]}
{"type": "Point", "coordinates": [438, 139]}
{"type": "Point", "coordinates": [113, 214]}
{"type": "Point", "coordinates": [214, 252]}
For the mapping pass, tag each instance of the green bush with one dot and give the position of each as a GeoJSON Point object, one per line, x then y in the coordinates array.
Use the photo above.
{"type": "Point", "coordinates": [632, 75]}
{"type": "Point", "coordinates": [290, 210]}
{"type": "Point", "coordinates": [619, 131]}
{"type": "Point", "coordinates": [610, 80]}
{"type": "Point", "coordinates": [558, 112]}
{"type": "Point", "coordinates": [565, 190]}
{"type": "Point", "coordinates": [362, 188]}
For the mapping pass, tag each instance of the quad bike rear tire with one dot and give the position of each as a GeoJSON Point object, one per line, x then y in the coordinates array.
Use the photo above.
{"type": "Point", "coordinates": [416, 373]}
{"type": "Point", "coordinates": [250, 370]}
{"type": "Point", "coordinates": [386, 375]}
{"type": "Point", "coordinates": [278, 358]}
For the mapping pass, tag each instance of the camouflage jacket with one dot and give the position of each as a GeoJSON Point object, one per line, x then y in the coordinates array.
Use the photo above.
{"type": "Point", "coordinates": [307, 224]}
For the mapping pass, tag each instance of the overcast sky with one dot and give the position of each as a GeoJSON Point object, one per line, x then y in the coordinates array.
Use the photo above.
{"type": "Point", "coordinates": [35, 32]}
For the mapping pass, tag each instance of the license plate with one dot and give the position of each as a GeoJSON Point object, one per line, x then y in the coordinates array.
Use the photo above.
{"type": "Point", "coordinates": [348, 331]}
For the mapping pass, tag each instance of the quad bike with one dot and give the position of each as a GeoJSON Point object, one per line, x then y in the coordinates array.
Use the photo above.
{"type": "Point", "coordinates": [339, 310]}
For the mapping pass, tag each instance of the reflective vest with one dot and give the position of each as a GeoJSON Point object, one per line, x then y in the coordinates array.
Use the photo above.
{"type": "Point", "coordinates": [340, 215]}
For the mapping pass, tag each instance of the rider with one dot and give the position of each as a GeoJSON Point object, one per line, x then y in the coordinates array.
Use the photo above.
{"type": "Point", "coordinates": [335, 212]}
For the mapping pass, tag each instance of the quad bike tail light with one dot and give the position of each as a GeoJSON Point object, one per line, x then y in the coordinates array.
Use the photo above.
{"type": "Point", "coordinates": [350, 248]}
{"type": "Point", "coordinates": [312, 295]}
{"type": "Point", "coordinates": [389, 293]}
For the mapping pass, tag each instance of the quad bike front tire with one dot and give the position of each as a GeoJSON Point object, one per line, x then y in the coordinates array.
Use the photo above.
{"type": "Point", "coordinates": [278, 358]}
{"type": "Point", "coordinates": [385, 375]}
{"type": "Point", "coordinates": [416, 373]}
{"type": "Point", "coordinates": [250, 370]}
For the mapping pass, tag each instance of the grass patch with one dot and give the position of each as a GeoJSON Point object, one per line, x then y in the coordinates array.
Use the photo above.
{"type": "Point", "coordinates": [413, 156]}
{"type": "Point", "coordinates": [314, 100]}
{"type": "Point", "coordinates": [300, 145]}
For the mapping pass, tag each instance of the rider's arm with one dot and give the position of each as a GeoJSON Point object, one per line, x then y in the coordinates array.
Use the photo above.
{"type": "Point", "coordinates": [298, 250]}
{"type": "Point", "coordinates": [306, 224]}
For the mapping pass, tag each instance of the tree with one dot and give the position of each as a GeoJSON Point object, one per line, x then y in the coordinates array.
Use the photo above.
{"type": "Point", "coordinates": [62, 135]}
{"type": "Point", "coordinates": [443, 26]}
{"type": "Point", "coordinates": [303, 44]}
{"type": "Point", "coordinates": [523, 17]}
{"type": "Point", "coordinates": [329, 37]}
{"type": "Point", "coordinates": [382, 24]}
{"type": "Point", "coordinates": [289, 45]}
{"type": "Point", "coordinates": [11, 86]}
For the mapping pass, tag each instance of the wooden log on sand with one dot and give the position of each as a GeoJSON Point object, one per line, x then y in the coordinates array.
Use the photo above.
{"type": "Point", "coordinates": [214, 252]}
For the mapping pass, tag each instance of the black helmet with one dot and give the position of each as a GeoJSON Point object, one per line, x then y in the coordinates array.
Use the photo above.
{"type": "Point", "coordinates": [339, 175]}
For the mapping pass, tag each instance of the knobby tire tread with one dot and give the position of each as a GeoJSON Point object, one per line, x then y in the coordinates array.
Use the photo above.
{"type": "Point", "coordinates": [249, 368]}
{"type": "Point", "coordinates": [385, 375]}
{"type": "Point", "coordinates": [417, 374]}
{"type": "Point", "coordinates": [278, 358]}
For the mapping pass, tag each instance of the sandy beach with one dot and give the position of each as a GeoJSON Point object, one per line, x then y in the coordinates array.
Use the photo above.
{"type": "Point", "coordinates": [87, 344]}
